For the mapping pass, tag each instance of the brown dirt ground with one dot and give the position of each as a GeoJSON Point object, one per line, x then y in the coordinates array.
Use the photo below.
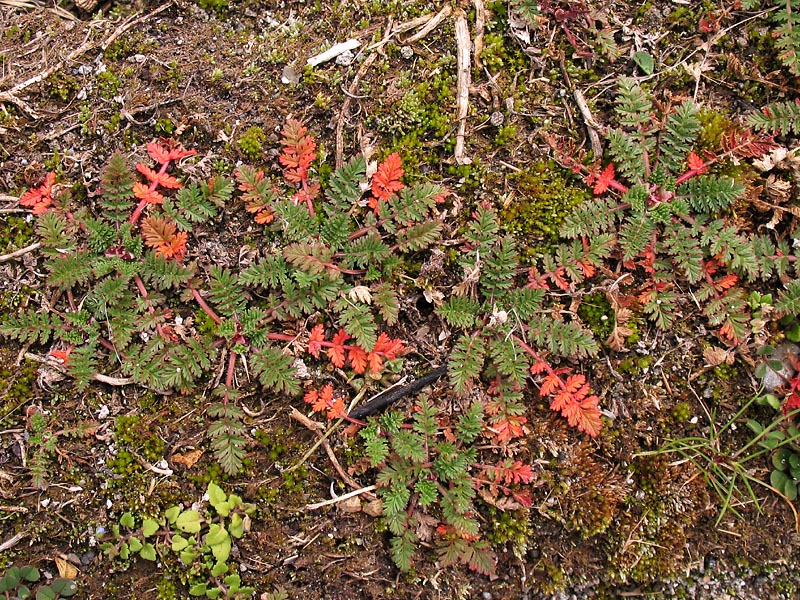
{"type": "Point", "coordinates": [164, 83]}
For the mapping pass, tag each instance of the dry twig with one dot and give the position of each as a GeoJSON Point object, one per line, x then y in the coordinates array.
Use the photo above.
{"type": "Point", "coordinates": [462, 89]}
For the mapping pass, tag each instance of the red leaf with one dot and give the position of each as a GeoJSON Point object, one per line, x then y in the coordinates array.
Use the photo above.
{"type": "Point", "coordinates": [40, 198]}
{"type": "Point", "coordinates": [389, 347]}
{"type": "Point", "coordinates": [316, 336]}
{"type": "Point", "coordinates": [585, 415]}
{"type": "Point", "coordinates": [375, 362]}
{"type": "Point", "coordinates": [162, 179]}
{"type": "Point", "coordinates": [697, 164]}
{"type": "Point", "coordinates": [336, 353]}
{"type": "Point", "coordinates": [386, 179]}
{"type": "Point", "coordinates": [164, 238]}
{"type": "Point", "coordinates": [143, 192]}
{"type": "Point", "coordinates": [602, 181]}
{"type": "Point", "coordinates": [551, 383]}
{"type": "Point", "coordinates": [358, 359]}
{"type": "Point", "coordinates": [509, 428]}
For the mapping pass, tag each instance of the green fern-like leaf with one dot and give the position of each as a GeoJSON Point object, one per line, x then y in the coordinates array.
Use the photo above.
{"type": "Point", "coordinates": [56, 234]}
{"type": "Point", "coordinates": [682, 244]}
{"type": "Point", "coordinates": [163, 273]}
{"type": "Point", "coordinates": [116, 199]}
{"type": "Point", "coordinates": [635, 235]}
{"type": "Point", "coordinates": [358, 321]}
{"type": "Point", "coordinates": [509, 359]}
{"type": "Point", "coordinates": [313, 258]}
{"type": "Point", "coordinates": [295, 221]}
{"type": "Point", "coordinates": [681, 131]}
{"type": "Point", "coordinates": [483, 229]}
{"type": "Point", "coordinates": [271, 272]}
{"type": "Point", "coordinates": [69, 270]}
{"type": "Point", "coordinates": [228, 437]}
{"type": "Point", "coordinates": [788, 31]}
{"type": "Point", "coordinates": [499, 268]}
{"type": "Point", "coordinates": [384, 296]}
{"type": "Point", "coordinates": [789, 301]}
{"type": "Point", "coordinates": [466, 361]}
{"type": "Point", "coordinates": [633, 105]}
{"type": "Point", "coordinates": [418, 237]}
{"type": "Point", "coordinates": [275, 370]}
{"type": "Point", "coordinates": [592, 218]}
{"type": "Point", "coordinates": [344, 185]}
{"type": "Point", "coordinates": [82, 366]}
{"type": "Point", "coordinates": [365, 251]}
{"type": "Point", "coordinates": [710, 194]}
{"type": "Point", "coordinates": [413, 204]}
{"type": "Point", "coordinates": [628, 154]}
{"type": "Point", "coordinates": [225, 292]}
{"type": "Point", "coordinates": [459, 311]}
{"type": "Point", "coordinates": [30, 326]}
{"type": "Point", "coordinates": [783, 117]}
{"type": "Point", "coordinates": [564, 338]}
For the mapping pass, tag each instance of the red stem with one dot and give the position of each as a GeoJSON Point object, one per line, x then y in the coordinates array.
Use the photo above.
{"type": "Point", "coordinates": [143, 202]}
{"type": "Point", "coordinates": [206, 308]}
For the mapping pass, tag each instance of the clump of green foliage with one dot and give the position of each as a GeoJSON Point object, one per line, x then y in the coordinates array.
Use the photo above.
{"type": "Point", "coordinates": [661, 210]}
{"type": "Point", "coordinates": [21, 583]}
{"type": "Point", "coordinates": [251, 142]}
{"type": "Point", "coordinates": [202, 539]}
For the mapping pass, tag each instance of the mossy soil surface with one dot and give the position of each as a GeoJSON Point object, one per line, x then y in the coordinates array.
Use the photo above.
{"type": "Point", "coordinates": [222, 77]}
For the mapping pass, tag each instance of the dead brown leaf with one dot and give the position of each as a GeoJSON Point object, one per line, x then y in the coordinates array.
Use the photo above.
{"type": "Point", "coordinates": [187, 459]}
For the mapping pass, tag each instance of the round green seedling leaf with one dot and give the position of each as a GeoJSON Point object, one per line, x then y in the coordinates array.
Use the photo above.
{"type": "Point", "coordinates": [148, 552]}
{"type": "Point", "coordinates": [220, 568]}
{"type": "Point", "coordinates": [790, 489]}
{"type": "Point", "coordinates": [780, 460]}
{"type": "Point", "coordinates": [198, 590]}
{"type": "Point", "coordinates": [218, 499]}
{"type": "Point", "coordinates": [189, 521]}
{"type": "Point", "coordinates": [64, 587]}
{"type": "Point", "coordinates": [149, 527]}
{"type": "Point", "coordinates": [45, 593]}
{"type": "Point", "coordinates": [236, 526]}
{"type": "Point", "coordinates": [127, 520]}
{"type": "Point", "coordinates": [216, 535]}
{"type": "Point", "coordinates": [645, 62]}
{"type": "Point", "coordinates": [179, 543]}
{"type": "Point", "coordinates": [171, 514]}
{"type": "Point", "coordinates": [29, 573]}
{"type": "Point", "coordinates": [23, 592]}
{"type": "Point", "coordinates": [778, 480]}
{"type": "Point", "coordinates": [10, 580]}
{"type": "Point", "coordinates": [134, 544]}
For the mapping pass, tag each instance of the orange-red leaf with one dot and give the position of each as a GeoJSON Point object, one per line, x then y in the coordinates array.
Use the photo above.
{"type": "Point", "coordinates": [552, 382]}
{"type": "Point", "coordinates": [386, 179]}
{"type": "Point", "coordinates": [162, 179]}
{"type": "Point", "coordinates": [163, 236]}
{"type": "Point", "coordinates": [358, 359]}
{"type": "Point", "coordinates": [585, 415]}
{"type": "Point", "coordinates": [40, 198]}
{"type": "Point", "coordinates": [602, 181]}
{"type": "Point", "coordinates": [507, 429]}
{"type": "Point", "coordinates": [316, 336]}
{"type": "Point", "coordinates": [143, 192]}
{"type": "Point", "coordinates": [696, 163]}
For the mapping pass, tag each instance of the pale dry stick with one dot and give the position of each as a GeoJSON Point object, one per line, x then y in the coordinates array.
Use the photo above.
{"type": "Point", "coordinates": [591, 125]}
{"type": "Point", "coordinates": [401, 28]}
{"type": "Point", "coordinates": [20, 252]}
{"type": "Point", "coordinates": [480, 23]}
{"type": "Point", "coordinates": [462, 86]}
{"type": "Point", "coordinates": [347, 496]}
{"type": "Point", "coordinates": [430, 26]}
{"type": "Point", "coordinates": [11, 94]}
{"type": "Point", "coordinates": [115, 381]}
{"type": "Point", "coordinates": [13, 541]}
{"type": "Point", "coordinates": [56, 10]}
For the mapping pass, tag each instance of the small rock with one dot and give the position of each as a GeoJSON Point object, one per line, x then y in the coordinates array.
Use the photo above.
{"type": "Point", "coordinates": [345, 58]}
{"type": "Point", "coordinates": [406, 52]}
{"type": "Point", "coordinates": [289, 76]}
{"type": "Point", "coordinates": [497, 118]}
{"type": "Point", "coordinates": [774, 378]}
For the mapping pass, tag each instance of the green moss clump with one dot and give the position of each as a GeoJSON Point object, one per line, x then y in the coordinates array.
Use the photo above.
{"type": "Point", "coordinates": [251, 142]}
{"type": "Point", "coordinates": [545, 197]}
{"type": "Point", "coordinates": [108, 84]}
{"type": "Point", "coordinates": [595, 311]}
{"type": "Point", "coordinates": [510, 527]}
